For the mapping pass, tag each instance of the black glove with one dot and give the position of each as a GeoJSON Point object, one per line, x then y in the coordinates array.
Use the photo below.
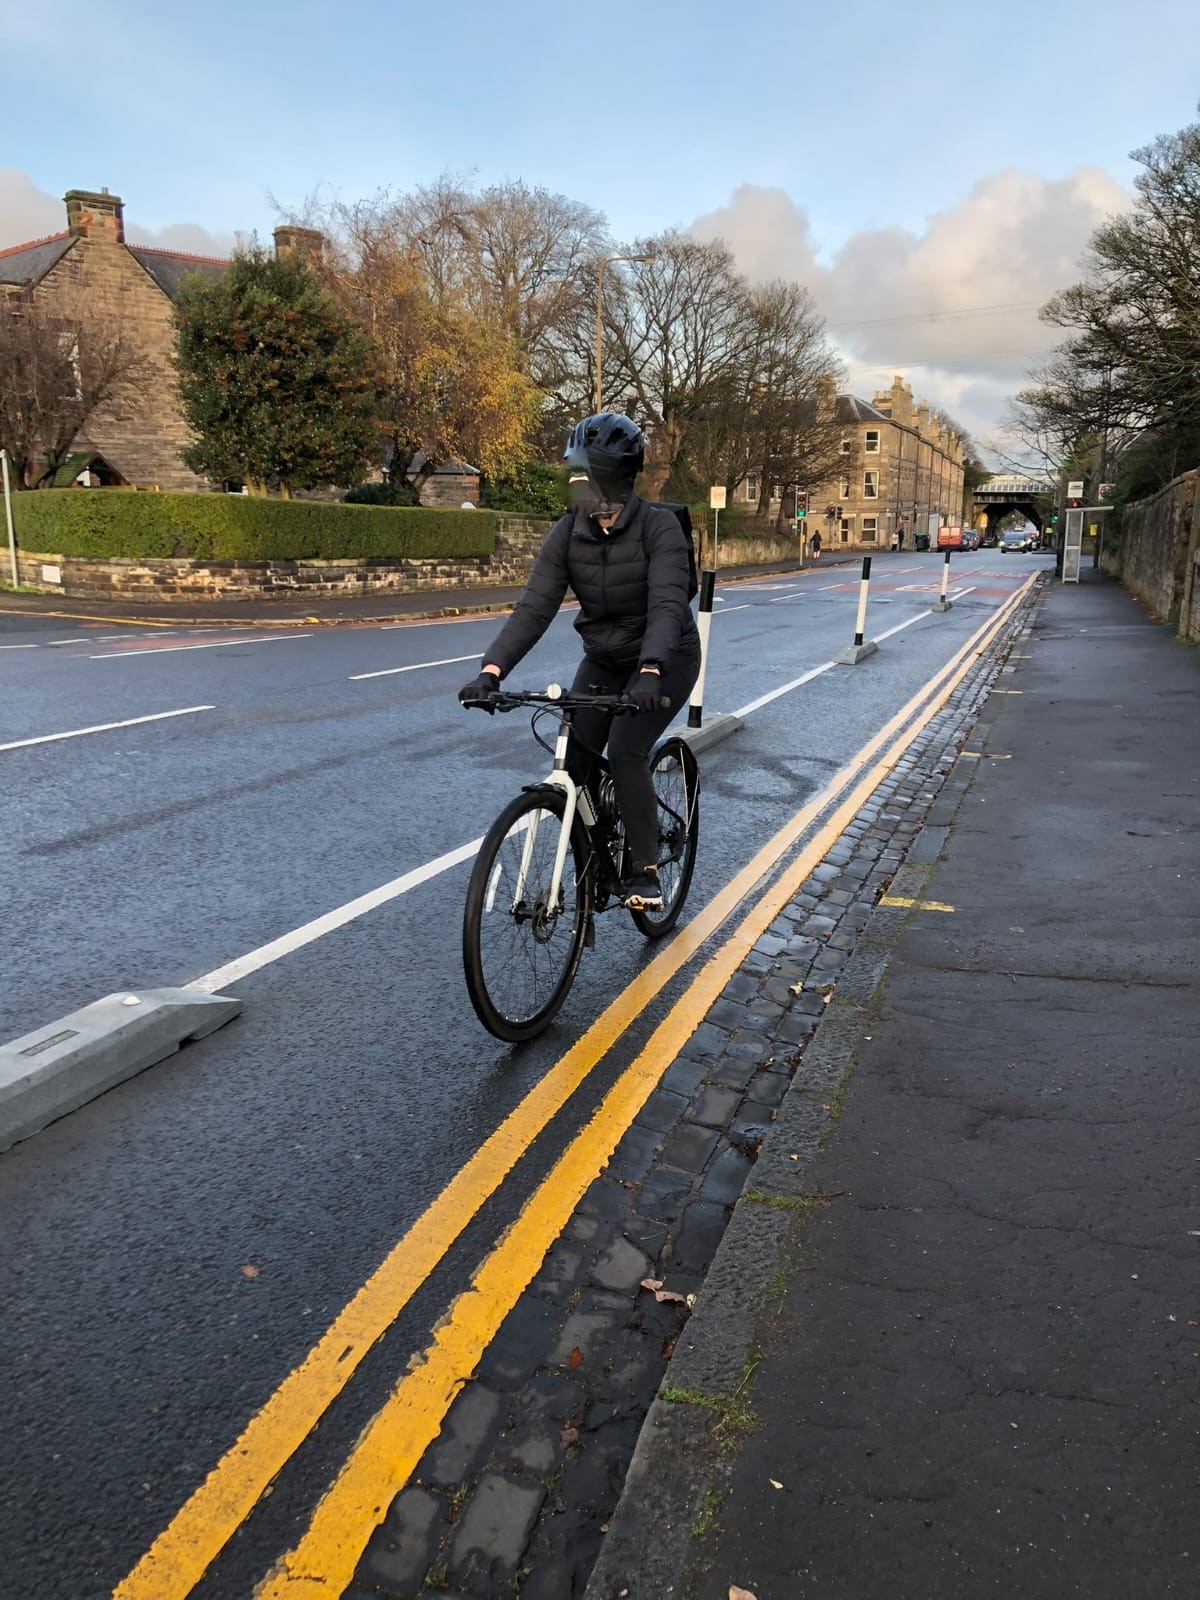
{"type": "Point", "coordinates": [478, 692]}
{"type": "Point", "coordinates": [645, 692]}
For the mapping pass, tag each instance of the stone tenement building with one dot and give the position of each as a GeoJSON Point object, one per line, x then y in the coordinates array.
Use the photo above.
{"type": "Point", "coordinates": [901, 468]}
{"type": "Point", "coordinates": [90, 265]}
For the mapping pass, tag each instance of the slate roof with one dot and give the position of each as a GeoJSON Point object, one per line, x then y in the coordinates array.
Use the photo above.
{"type": "Point", "coordinates": [850, 408]}
{"type": "Point", "coordinates": [170, 268]}
{"type": "Point", "coordinates": [28, 263]}
{"type": "Point", "coordinates": [447, 467]}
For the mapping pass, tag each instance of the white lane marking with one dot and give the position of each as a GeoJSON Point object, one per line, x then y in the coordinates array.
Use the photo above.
{"type": "Point", "coordinates": [219, 644]}
{"type": "Point", "coordinates": [775, 599]}
{"type": "Point", "coordinates": [765, 699]}
{"type": "Point", "coordinates": [104, 727]}
{"type": "Point", "coordinates": [234, 971]}
{"type": "Point", "coordinates": [84, 638]}
{"type": "Point", "coordinates": [18, 647]}
{"type": "Point", "coordinates": [388, 672]}
{"type": "Point", "coordinates": [825, 586]}
{"type": "Point", "coordinates": [746, 607]}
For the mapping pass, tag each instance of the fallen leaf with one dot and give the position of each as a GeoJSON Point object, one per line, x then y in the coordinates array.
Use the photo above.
{"type": "Point", "coordinates": [663, 1296]}
{"type": "Point", "coordinates": [740, 1594]}
{"type": "Point", "coordinates": [775, 1483]}
{"type": "Point", "coordinates": [575, 1357]}
{"type": "Point", "coordinates": [568, 1436]}
{"type": "Point", "coordinates": [249, 1272]}
{"type": "Point", "coordinates": [651, 1283]}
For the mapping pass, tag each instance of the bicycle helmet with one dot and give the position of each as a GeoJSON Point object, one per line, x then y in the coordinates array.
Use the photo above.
{"type": "Point", "coordinates": [605, 454]}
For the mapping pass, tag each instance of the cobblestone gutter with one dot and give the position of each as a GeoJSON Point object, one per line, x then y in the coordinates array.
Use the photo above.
{"type": "Point", "coordinates": [517, 1495]}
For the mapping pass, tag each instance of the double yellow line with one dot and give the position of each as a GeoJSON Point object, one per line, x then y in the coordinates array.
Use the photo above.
{"type": "Point", "coordinates": [322, 1564]}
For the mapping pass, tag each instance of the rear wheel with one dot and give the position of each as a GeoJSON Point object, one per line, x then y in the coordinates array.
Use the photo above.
{"type": "Point", "coordinates": [520, 951]}
{"type": "Point", "coordinates": [676, 780]}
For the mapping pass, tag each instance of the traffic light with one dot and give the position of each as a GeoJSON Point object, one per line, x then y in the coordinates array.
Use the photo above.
{"type": "Point", "coordinates": [801, 506]}
{"type": "Point", "coordinates": [1053, 517]}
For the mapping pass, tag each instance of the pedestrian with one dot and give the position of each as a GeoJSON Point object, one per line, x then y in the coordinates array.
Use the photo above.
{"type": "Point", "coordinates": [816, 544]}
{"type": "Point", "coordinates": [630, 567]}
{"type": "Point", "coordinates": [898, 540]}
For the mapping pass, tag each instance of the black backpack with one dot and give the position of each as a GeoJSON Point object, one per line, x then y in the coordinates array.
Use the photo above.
{"type": "Point", "coordinates": [684, 517]}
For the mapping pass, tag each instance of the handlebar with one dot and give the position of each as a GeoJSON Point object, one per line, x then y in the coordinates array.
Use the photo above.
{"type": "Point", "coordinates": [563, 700]}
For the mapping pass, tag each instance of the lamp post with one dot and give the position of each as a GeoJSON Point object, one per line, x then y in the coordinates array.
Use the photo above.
{"type": "Point", "coordinates": [607, 261]}
{"type": "Point", "coordinates": [8, 517]}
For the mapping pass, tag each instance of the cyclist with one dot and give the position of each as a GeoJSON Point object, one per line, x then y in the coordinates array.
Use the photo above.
{"type": "Point", "coordinates": [628, 564]}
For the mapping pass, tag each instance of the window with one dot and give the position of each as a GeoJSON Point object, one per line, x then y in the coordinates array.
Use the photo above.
{"type": "Point", "coordinates": [845, 490]}
{"type": "Point", "coordinates": [752, 490]}
{"type": "Point", "coordinates": [870, 530]}
{"type": "Point", "coordinates": [845, 529]}
{"type": "Point", "coordinates": [845, 447]}
{"type": "Point", "coordinates": [871, 441]}
{"type": "Point", "coordinates": [870, 486]}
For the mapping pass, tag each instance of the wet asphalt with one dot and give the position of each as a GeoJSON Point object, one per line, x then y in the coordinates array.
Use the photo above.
{"type": "Point", "coordinates": [172, 1250]}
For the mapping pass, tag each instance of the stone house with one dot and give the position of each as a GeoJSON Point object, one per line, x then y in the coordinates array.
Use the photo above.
{"type": "Point", "coordinates": [90, 264]}
{"type": "Point", "coordinates": [901, 468]}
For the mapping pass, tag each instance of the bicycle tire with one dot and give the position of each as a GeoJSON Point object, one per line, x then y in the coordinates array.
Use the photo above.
{"type": "Point", "coordinates": [486, 913]}
{"type": "Point", "coordinates": [677, 859]}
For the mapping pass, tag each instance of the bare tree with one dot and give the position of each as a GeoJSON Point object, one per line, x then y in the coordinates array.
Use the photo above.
{"type": "Point", "coordinates": [61, 363]}
{"type": "Point", "coordinates": [784, 429]}
{"type": "Point", "coordinates": [678, 339]}
{"type": "Point", "coordinates": [1130, 365]}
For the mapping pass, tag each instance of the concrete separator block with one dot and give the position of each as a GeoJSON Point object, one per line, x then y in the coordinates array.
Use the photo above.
{"type": "Point", "coordinates": [718, 725]}
{"type": "Point", "coordinates": [855, 653]}
{"type": "Point", "coordinates": [62, 1066]}
{"type": "Point", "coordinates": [941, 605]}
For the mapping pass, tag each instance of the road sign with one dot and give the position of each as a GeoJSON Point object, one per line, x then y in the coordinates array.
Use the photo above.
{"type": "Point", "coordinates": [1075, 489]}
{"type": "Point", "coordinates": [716, 497]}
{"type": "Point", "coordinates": [1106, 490]}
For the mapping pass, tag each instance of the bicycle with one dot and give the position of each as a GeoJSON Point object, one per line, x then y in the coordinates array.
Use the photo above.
{"type": "Point", "coordinates": [554, 857]}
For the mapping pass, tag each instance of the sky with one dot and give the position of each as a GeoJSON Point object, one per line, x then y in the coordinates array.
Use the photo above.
{"type": "Point", "coordinates": [932, 171]}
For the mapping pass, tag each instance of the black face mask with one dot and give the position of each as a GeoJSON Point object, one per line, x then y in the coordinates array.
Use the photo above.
{"type": "Point", "coordinates": [584, 494]}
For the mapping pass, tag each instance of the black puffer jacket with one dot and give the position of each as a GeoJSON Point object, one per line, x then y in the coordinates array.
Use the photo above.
{"type": "Point", "coordinates": [631, 582]}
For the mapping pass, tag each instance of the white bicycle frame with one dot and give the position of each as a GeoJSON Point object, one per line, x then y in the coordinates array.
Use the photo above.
{"type": "Point", "coordinates": [575, 799]}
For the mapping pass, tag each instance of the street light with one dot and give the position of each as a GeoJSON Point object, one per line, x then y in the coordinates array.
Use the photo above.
{"type": "Point", "coordinates": [607, 261]}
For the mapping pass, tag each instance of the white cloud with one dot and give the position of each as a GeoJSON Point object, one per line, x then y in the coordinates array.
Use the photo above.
{"type": "Point", "coordinates": [27, 212]}
{"type": "Point", "coordinates": [952, 309]}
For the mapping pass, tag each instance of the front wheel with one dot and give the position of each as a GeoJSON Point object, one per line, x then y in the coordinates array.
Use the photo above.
{"type": "Point", "coordinates": [676, 780]}
{"type": "Point", "coordinates": [521, 948]}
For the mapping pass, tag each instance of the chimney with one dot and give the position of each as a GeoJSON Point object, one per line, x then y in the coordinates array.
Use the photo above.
{"type": "Point", "coordinates": [307, 243]}
{"type": "Point", "coordinates": [95, 216]}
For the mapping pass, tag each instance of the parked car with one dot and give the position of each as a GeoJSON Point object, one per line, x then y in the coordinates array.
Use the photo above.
{"type": "Point", "coordinates": [970, 539]}
{"type": "Point", "coordinates": [1015, 539]}
{"type": "Point", "coordinates": [949, 537]}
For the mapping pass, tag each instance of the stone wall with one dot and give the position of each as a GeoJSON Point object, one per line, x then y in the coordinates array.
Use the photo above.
{"type": "Point", "coordinates": [518, 540]}
{"type": "Point", "coordinates": [1158, 555]}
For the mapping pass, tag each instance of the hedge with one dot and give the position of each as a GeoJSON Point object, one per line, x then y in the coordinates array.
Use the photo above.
{"type": "Point", "coordinates": [106, 523]}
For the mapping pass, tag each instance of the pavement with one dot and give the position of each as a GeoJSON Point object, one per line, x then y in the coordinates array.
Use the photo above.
{"type": "Point", "coordinates": [346, 608]}
{"type": "Point", "coordinates": [949, 1342]}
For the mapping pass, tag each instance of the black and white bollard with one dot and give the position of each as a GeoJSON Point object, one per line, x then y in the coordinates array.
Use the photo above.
{"type": "Point", "coordinates": [942, 603]}
{"type": "Point", "coordinates": [861, 648]}
{"type": "Point", "coordinates": [701, 731]}
{"type": "Point", "coordinates": [708, 583]}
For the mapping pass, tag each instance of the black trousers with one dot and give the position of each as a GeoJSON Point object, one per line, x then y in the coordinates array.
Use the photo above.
{"type": "Point", "coordinates": [629, 739]}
